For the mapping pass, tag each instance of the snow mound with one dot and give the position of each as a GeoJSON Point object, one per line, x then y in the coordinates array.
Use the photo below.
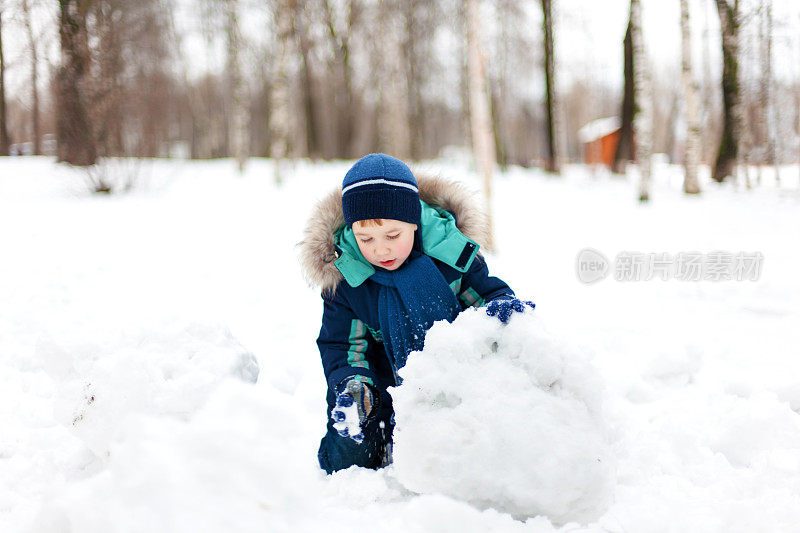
{"type": "Point", "coordinates": [168, 371]}
{"type": "Point", "coordinates": [504, 417]}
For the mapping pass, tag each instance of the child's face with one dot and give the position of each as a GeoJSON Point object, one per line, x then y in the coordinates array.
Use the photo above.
{"type": "Point", "coordinates": [387, 245]}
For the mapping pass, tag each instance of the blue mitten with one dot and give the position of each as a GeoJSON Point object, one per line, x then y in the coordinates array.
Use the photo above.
{"type": "Point", "coordinates": [503, 309]}
{"type": "Point", "coordinates": [353, 405]}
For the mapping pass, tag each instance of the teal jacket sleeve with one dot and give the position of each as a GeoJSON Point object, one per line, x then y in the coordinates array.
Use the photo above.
{"type": "Point", "coordinates": [345, 344]}
{"type": "Point", "coordinates": [478, 287]}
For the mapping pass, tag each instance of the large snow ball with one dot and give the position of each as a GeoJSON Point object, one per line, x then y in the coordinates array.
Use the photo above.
{"type": "Point", "coordinates": [505, 417]}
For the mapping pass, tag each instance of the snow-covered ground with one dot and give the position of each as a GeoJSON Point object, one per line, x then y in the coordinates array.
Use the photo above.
{"type": "Point", "coordinates": [129, 324]}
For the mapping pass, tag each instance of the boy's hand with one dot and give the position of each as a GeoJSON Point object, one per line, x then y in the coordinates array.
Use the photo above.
{"type": "Point", "coordinates": [353, 405]}
{"type": "Point", "coordinates": [503, 309]}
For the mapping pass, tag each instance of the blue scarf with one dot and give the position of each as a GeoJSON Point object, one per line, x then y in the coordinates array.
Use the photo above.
{"type": "Point", "coordinates": [411, 299]}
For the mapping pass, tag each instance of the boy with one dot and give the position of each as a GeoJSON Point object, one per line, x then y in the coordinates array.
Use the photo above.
{"type": "Point", "coordinates": [392, 256]}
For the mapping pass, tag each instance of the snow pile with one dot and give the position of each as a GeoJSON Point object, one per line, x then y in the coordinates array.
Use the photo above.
{"type": "Point", "coordinates": [503, 417]}
{"type": "Point", "coordinates": [219, 471]}
{"type": "Point", "coordinates": [169, 371]}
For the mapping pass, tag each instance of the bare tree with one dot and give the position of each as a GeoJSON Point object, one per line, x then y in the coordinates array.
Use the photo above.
{"type": "Point", "coordinates": [301, 31]}
{"type": "Point", "coordinates": [499, 83]}
{"type": "Point", "coordinates": [481, 123]}
{"type": "Point", "coordinates": [643, 121]}
{"type": "Point", "coordinates": [107, 92]}
{"type": "Point", "coordinates": [624, 152]}
{"type": "Point", "coordinates": [5, 141]}
{"type": "Point", "coordinates": [420, 20]}
{"type": "Point", "coordinates": [344, 96]}
{"type": "Point", "coordinates": [191, 102]}
{"type": "Point", "coordinates": [731, 133]}
{"type": "Point", "coordinates": [239, 129]}
{"type": "Point", "coordinates": [692, 155]}
{"type": "Point", "coordinates": [766, 105]}
{"type": "Point", "coordinates": [394, 134]}
{"type": "Point", "coordinates": [280, 116]}
{"type": "Point", "coordinates": [551, 157]}
{"type": "Point", "coordinates": [797, 114]}
{"type": "Point", "coordinates": [514, 49]}
{"type": "Point", "coordinates": [33, 46]}
{"type": "Point", "coordinates": [73, 128]}
{"type": "Point", "coordinates": [131, 85]}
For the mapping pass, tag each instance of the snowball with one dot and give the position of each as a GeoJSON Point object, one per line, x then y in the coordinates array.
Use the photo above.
{"type": "Point", "coordinates": [349, 424]}
{"type": "Point", "coordinates": [503, 417]}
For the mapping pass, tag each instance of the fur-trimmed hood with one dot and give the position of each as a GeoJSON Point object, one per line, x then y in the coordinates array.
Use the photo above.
{"type": "Point", "coordinates": [318, 245]}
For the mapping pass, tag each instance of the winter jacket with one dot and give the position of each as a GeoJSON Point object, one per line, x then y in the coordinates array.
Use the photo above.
{"type": "Point", "coordinates": [350, 340]}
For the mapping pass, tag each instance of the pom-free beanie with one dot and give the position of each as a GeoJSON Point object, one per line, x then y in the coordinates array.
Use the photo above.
{"type": "Point", "coordinates": [380, 186]}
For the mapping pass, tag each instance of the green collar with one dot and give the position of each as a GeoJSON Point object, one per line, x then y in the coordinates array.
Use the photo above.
{"type": "Point", "coordinates": [441, 240]}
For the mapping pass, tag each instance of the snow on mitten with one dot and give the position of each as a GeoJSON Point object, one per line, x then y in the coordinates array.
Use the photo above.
{"type": "Point", "coordinates": [503, 309]}
{"type": "Point", "coordinates": [353, 405]}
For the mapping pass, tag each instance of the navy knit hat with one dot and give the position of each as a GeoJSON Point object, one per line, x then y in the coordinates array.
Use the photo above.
{"type": "Point", "coordinates": [380, 186]}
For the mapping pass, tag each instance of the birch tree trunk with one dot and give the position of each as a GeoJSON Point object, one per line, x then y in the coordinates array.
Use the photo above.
{"type": "Point", "coordinates": [552, 156]}
{"type": "Point", "coordinates": [279, 97]}
{"type": "Point", "coordinates": [5, 141]}
{"type": "Point", "coordinates": [480, 121]}
{"type": "Point", "coordinates": [239, 132]}
{"type": "Point", "coordinates": [707, 144]}
{"type": "Point", "coordinates": [729, 144]}
{"type": "Point", "coordinates": [745, 132]}
{"type": "Point", "coordinates": [643, 120]}
{"type": "Point", "coordinates": [692, 155]}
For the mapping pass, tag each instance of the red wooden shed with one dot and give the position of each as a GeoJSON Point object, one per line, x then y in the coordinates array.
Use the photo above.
{"type": "Point", "coordinates": [600, 138]}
